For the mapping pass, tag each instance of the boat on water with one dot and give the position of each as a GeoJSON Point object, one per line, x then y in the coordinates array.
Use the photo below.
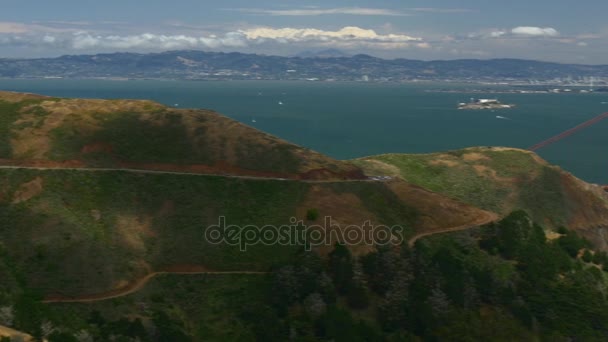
{"type": "Point", "coordinates": [484, 104]}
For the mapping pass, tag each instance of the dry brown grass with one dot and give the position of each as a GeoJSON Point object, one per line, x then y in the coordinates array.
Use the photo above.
{"type": "Point", "coordinates": [474, 156]}
{"type": "Point", "coordinates": [345, 209]}
{"type": "Point", "coordinates": [28, 190]}
{"type": "Point", "coordinates": [437, 211]}
{"type": "Point", "coordinates": [448, 163]}
{"type": "Point", "coordinates": [13, 97]}
{"type": "Point", "coordinates": [221, 144]}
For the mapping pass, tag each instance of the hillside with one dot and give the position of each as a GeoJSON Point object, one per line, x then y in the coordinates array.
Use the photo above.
{"type": "Point", "coordinates": [189, 64]}
{"type": "Point", "coordinates": [503, 180]}
{"type": "Point", "coordinates": [83, 214]}
{"type": "Point", "coordinates": [108, 208]}
{"type": "Point", "coordinates": [44, 131]}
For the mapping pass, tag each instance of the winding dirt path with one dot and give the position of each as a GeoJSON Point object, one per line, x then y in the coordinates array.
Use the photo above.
{"type": "Point", "coordinates": [138, 284]}
{"type": "Point", "coordinates": [135, 286]}
{"type": "Point", "coordinates": [488, 217]}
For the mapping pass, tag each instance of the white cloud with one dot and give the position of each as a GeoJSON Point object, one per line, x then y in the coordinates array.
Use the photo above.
{"type": "Point", "coordinates": [497, 34]}
{"type": "Point", "coordinates": [349, 33]}
{"type": "Point", "coordinates": [533, 31]}
{"type": "Point", "coordinates": [520, 32]}
{"type": "Point", "coordinates": [83, 40]}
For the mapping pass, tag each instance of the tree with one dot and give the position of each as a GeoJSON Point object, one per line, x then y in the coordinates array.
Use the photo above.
{"type": "Point", "coordinates": [438, 302]}
{"type": "Point", "coordinates": [7, 316]}
{"type": "Point", "coordinates": [587, 256]}
{"type": "Point", "coordinates": [312, 214]}
{"type": "Point", "coordinates": [571, 243]}
{"type": "Point", "coordinates": [341, 268]}
{"type": "Point", "coordinates": [58, 336]}
{"type": "Point", "coordinates": [315, 305]}
{"type": "Point", "coordinates": [358, 294]}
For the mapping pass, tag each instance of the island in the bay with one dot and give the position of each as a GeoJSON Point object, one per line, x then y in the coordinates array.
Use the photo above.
{"type": "Point", "coordinates": [484, 104]}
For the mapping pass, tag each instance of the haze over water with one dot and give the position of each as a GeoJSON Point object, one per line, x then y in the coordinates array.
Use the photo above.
{"type": "Point", "coordinates": [350, 120]}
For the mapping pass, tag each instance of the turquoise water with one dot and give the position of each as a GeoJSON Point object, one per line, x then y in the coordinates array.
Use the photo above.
{"type": "Point", "coordinates": [349, 120]}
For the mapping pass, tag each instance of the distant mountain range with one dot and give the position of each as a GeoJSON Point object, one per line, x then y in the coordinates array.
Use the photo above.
{"type": "Point", "coordinates": [323, 65]}
{"type": "Point", "coordinates": [328, 53]}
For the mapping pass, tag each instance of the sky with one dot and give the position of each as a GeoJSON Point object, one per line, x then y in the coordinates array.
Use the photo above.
{"type": "Point", "coordinates": [553, 30]}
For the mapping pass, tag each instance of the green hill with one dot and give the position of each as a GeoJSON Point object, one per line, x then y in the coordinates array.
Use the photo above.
{"type": "Point", "coordinates": [39, 130]}
{"type": "Point", "coordinates": [503, 180]}
{"type": "Point", "coordinates": [107, 210]}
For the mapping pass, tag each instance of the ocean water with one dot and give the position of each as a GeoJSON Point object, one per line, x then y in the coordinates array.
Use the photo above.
{"type": "Point", "coordinates": [350, 120]}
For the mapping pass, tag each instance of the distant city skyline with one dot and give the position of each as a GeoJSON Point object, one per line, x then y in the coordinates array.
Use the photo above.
{"type": "Point", "coordinates": [558, 31]}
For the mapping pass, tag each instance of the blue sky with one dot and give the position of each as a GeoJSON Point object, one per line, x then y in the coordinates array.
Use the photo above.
{"type": "Point", "coordinates": [558, 30]}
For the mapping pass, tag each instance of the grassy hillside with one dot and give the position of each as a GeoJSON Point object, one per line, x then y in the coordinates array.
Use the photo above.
{"type": "Point", "coordinates": [76, 232]}
{"type": "Point", "coordinates": [144, 134]}
{"type": "Point", "coordinates": [503, 180]}
{"type": "Point", "coordinates": [501, 282]}
{"type": "Point", "coordinates": [69, 230]}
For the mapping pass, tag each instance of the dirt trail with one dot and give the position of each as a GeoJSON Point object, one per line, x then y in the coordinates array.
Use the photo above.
{"type": "Point", "coordinates": [145, 171]}
{"type": "Point", "coordinates": [488, 217]}
{"type": "Point", "coordinates": [138, 284]}
{"type": "Point", "coordinates": [135, 286]}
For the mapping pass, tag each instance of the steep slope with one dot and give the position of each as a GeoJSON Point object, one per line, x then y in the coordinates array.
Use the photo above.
{"type": "Point", "coordinates": [47, 131]}
{"type": "Point", "coordinates": [70, 232]}
{"type": "Point", "coordinates": [503, 180]}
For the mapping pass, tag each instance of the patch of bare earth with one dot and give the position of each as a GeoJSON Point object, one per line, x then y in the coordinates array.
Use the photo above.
{"type": "Point", "coordinates": [28, 190]}
{"type": "Point", "coordinates": [436, 212]}
{"type": "Point", "coordinates": [474, 156]}
{"type": "Point", "coordinates": [343, 209]}
{"type": "Point", "coordinates": [448, 163]}
{"type": "Point", "coordinates": [375, 167]}
{"type": "Point", "coordinates": [587, 211]}
{"type": "Point", "coordinates": [551, 235]}
{"type": "Point", "coordinates": [132, 230]}
{"type": "Point", "coordinates": [485, 171]}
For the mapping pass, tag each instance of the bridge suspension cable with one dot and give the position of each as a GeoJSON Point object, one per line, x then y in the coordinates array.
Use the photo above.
{"type": "Point", "coordinates": [569, 132]}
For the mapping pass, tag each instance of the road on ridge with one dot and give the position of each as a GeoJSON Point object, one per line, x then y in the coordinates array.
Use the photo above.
{"type": "Point", "coordinates": [143, 171]}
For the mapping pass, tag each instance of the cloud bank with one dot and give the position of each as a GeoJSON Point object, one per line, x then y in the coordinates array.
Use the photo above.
{"type": "Point", "coordinates": [349, 33]}
{"type": "Point", "coordinates": [350, 37]}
